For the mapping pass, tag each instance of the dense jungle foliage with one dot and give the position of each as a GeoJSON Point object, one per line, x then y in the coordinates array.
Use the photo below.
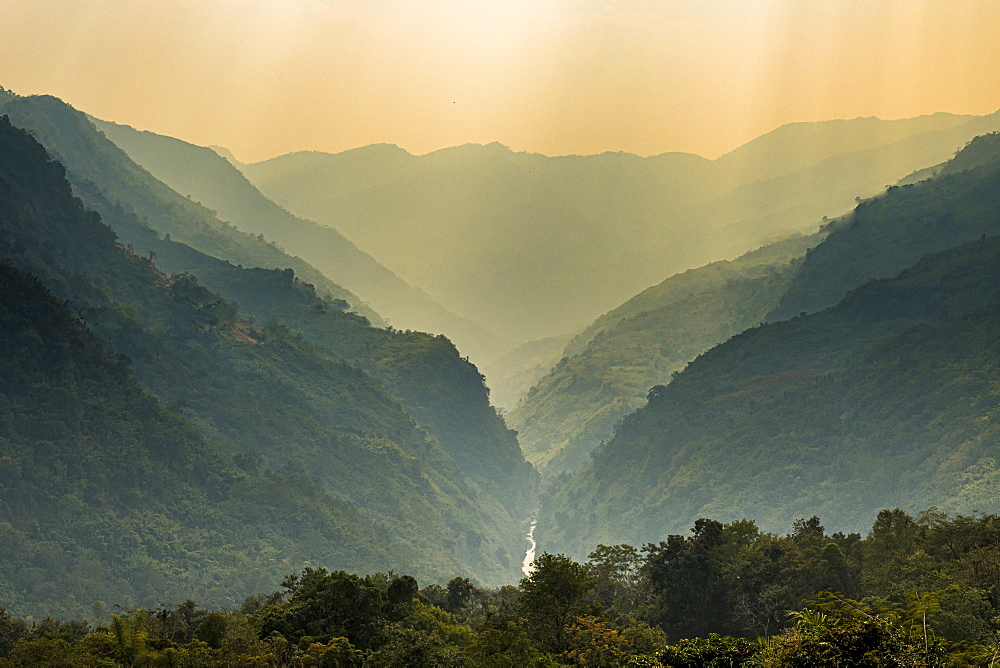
{"type": "Point", "coordinates": [107, 492]}
{"type": "Point", "coordinates": [916, 591]}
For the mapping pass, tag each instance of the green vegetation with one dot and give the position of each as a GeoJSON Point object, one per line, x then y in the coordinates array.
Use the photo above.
{"type": "Point", "coordinates": [183, 417]}
{"type": "Point", "coordinates": [610, 367]}
{"type": "Point", "coordinates": [108, 494]}
{"type": "Point", "coordinates": [916, 591]}
{"type": "Point", "coordinates": [443, 392]}
{"type": "Point", "coordinates": [884, 235]}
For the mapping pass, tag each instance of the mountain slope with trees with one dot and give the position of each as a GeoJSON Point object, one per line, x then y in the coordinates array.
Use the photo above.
{"type": "Point", "coordinates": [109, 182]}
{"type": "Point", "coordinates": [107, 492]}
{"type": "Point", "coordinates": [256, 388]}
{"type": "Point", "coordinates": [440, 390]}
{"type": "Point", "coordinates": [110, 495]}
{"type": "Point", "coordinates": [888, 233]}
{"type": "Point", "coordinates": [886, 399]}
{"type": "Point", "coordinates": [609, 368]}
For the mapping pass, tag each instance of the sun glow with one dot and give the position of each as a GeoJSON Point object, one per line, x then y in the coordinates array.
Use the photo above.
{"type": "Point", "coordinates": [553, 76]}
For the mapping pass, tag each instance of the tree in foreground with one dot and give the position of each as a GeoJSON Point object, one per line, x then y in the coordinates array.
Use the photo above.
{"type": "Point", "coordinates": [553, 595]}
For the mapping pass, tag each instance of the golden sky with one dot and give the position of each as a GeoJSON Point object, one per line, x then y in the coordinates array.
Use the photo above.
{"type": "Point", "coordinates": [265, 77]}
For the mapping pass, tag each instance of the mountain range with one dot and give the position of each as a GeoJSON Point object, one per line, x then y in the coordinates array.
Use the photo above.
{"type": "Point", "coordinates": [607, 369]}
{"type": "Point", "coordinates": [520, 242]}
{"type": "Point", "coordinates": [202, 391]}
{"type": "Point", "coordinates": [239, 402]}
{"type": "Point", "coordinates": [208, 178]}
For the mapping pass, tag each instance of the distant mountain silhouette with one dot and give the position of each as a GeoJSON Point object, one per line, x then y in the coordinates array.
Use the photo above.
{"type": "Point", "coordinates": [532, 246]}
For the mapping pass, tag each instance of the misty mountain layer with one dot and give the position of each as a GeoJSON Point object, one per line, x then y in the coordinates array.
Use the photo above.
{"type": "Point", "coordinates": [209, 178]}
{"type": "Point", "coordinates": [109, 182]}
{"type": "Point", "coordinates": [534, 247]}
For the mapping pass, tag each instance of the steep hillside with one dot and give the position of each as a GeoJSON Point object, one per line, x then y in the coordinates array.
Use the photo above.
{"type": "Point", "coordinates": [111, 183]}
{"type": "Point", "coordinates": [487, 452]}
{"type": "Point", "coordinates": [208, 178]}
{"type": "Point", "coordinates": [886, 399]}
{"type": "Point", "coordinates": [885, 234]}
{"type": "Point", "coordinates": [521, 242]}
{"type": "Point", "coordinates": [696, 281]}
{"type": "Point", "coordinates": [442, 391]}
{"type": "Point", "coordinates": [255, 387]}
{"type": "Point", "coordinates": [107, 493]}
{"type": "Point", "coordinates": [640, 344]}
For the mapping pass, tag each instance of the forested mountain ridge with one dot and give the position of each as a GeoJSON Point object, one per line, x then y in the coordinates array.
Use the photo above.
{"type": "Point", "coordinates": [609, 368]}
{"type": "Point", "coordinates": [207, 177]}
{"type": "Point", "coordinates": [453, 404]}
{"type": "Point", "coordinates": [256, 388]}
{"type": "Point", "coordinates": [528, 254]}
{"type": "Point", "coordinates": [113, 185]}
{"type": "Point", "coordinates": [694, 281]}
{"type": "Point", "coordinates": [887, 233]}
{"type": "Point", "coordinates": [162, 514]}
{"type": "Point", "coordinates": [886, 399]}
{"type": "Point", "coordinates": [441, 390]}
{"type": "Point", "coordinates": [512, 376]}
{"type": "Point", "coordinates": [106, 492]}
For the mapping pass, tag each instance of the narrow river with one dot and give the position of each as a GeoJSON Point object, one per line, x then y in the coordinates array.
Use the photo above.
{"type": "Point", "coordinates": [529, 556]}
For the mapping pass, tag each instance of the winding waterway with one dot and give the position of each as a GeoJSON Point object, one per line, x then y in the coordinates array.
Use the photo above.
{"type": "Point", "coordinates": [529, 556]}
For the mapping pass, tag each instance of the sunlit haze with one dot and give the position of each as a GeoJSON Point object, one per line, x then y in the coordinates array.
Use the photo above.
{"type": "Point", "coordinates": [263, 77]}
